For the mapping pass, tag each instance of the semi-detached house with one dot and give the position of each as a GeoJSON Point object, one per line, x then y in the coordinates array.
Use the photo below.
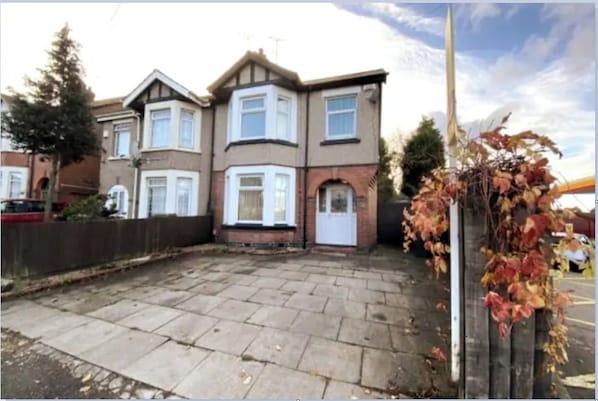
{"type": "Point", "coordinates": [277, 160]}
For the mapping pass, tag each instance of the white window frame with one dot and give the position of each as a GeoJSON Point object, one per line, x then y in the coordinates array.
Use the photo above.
{"type": "Point", "coordinates": [6, 178]}
{"type": "Point", "coordinates": [176, 107]}
{"type": "Point", "coordinates": [118, 129]}
{"type": "Point", "coordinates": [288, 113]}
{"type": "Point", "coordinates": [151, 128]}
{"type": "Point", "coordinates": [171, 192]}
{"type": "Point", "coordinates": [177, 195]}
{"type": "Point", "coordinates": [354, 110]}
{"type": "Point", "coordinates": [231, 194]}
{"type": "Point", "coordinates": [119, 189]}
{"type": "Point", "coordinates": [287, 197]}
{"type": "Point", "coordinates": [263, 109]}
{"type": "Point", "coordinates": [192, 120]}
{"type": "Point", "coordinates": [271, 93]}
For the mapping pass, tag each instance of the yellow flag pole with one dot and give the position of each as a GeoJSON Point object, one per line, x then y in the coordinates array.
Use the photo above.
{"type": "Point", "coordinates": [454, 208]}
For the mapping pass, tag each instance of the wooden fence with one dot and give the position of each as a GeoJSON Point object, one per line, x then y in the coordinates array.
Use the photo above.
{"type": "Point", "coordinates": [38, 249]}
{"type": "Point", "coordinates": [495, 367]}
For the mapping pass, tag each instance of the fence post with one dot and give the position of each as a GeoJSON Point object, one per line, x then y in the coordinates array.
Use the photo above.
{"type": "Point", "coordinates": [477, 347]}
{"type": "Point", "coordinates": [542, 378]}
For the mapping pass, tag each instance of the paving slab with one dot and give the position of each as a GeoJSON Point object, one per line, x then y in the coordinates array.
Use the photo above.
{"type": "Point", "coordinates": [8, 307]}
{"type": "Point", "coordinates": [270, 297]}
{"type": "Point", "coordinates": [302, 287]}
{"type": "Point", "coordinates": [238, 292]}
{"type": "Point", "coordinates": [142, 292]}
{"type": "Point", "coordinates": [88, 303]}
{"type": "Point", "coordinates": [277, 346]}
{"type": "Point", "coordinates": [234, 310]}
{"type": "Point", "coordinates": [345, 308]}
{"type": "Point", "coordinates": [320, 279]}
{"type": "Point", "coordinates": [167, 365]}
{"type": "Point", "coordinates": [351, 282]}
{"type": "Point", "coordinates": [395, 277]}
{"type": "Point", "coordinates": [312, 303]}
{"type": "Point", "coordinates": [408, 302]}
{"type": "Point", "coordinates": [169, 297]}
{"type": "Point", "coordinates": [367, 275]}
{"type": "Point", "coordinates": [229, 337]}
{"type": "Point", "coordinates": [182, 283]}
{"type": "Point", "coordinates": [53, 326]}
{"type": "Point", "coordinates": [366, 296]}
{"type": "Point", "coordinates": [294, 275]}
{"type": "Point", "coordinates": [201, 303]}
{"type": "Point", "coordinates": [241, 279]}
{"type": "Point", "coordinates": [122, 350]}
{"type": "Point", "coordinates": [386, 286]}
{"type": "Point", "coordinates": [332, 291]}
{"type": "Point", "coordinates": [263, 272]}
{"type": "Point", "coordinates": [317, 324]}
{"type": "Point", "coordinates": [274, 316]}
{"type": "Point", "coordinates": [340, 272]}
{"type": "Point", "coordinates": [269, 282]}
{"type": "Point", "coordinates": [277, 383]}
{"type": "Point", "coordinates": [150, 318]}
{"type": "Point", "coordinates": [414, 341]}
{"type": "Point", "coordinates": [216, 276]}
{"type": "Point", "coordinates": [208, 288]}
{"type": "Point", "coordinates": [332, 359]}
{"type": "Point", "coordinates": [314, 269]}
{"type": "Point", "coordinates": [29, 312]}
{"type": "Point", "coordinates": [83, 338]}
{"type": "Point", "coordinates": [336, 390]}
{"type": "Point", "coordinates": [118, 310]}
{"type": "Point", "coordinates": [403, 372]}
{"type": "Point", "coordinates": [361, 332]}
{"type": "Point", "coordinates": [389, 315]}
{"type": "Point", "coordinates": [220, 376]}
{"type": "Point", "coordinates": [187, 327]}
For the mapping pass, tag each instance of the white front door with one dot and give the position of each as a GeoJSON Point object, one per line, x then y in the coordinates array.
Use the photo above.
{"type": "Point", "coordinates": [336, 219]}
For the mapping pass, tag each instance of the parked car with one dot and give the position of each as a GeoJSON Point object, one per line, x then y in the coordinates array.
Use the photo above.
{"type": "Point", "coordinates": [575, 257]}
{"type": "Point", "coordinates": [27, 210]}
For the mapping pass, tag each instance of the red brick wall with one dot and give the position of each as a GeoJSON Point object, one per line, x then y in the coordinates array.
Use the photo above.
{"type": "Point", "coordinates": [14, 159]}
{"type": "Point", "coordinates": [361, 178]}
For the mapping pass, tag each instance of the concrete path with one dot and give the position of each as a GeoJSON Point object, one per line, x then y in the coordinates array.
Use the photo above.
{"type": "Point", "coordinates": [239, 326]}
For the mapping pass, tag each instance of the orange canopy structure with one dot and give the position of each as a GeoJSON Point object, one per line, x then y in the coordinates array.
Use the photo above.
{"type": "Point", "coordinates": [586, 185]}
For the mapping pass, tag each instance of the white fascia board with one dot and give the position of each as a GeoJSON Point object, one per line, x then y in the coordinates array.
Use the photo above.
{"type": "Point", "coordinates": [156, 74]}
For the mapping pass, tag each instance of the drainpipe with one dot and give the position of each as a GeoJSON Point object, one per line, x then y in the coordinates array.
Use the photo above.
{"type": "Point", "coordinates": [305, 172]}
{"type": "Point", "coordinates": [210, 172]}
{"type": "Point", "coordinates": [134, 214]}
{"type": "Point", "coordinates": [31, 171]}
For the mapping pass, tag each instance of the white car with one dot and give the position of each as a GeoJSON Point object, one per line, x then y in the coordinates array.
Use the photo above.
{"type": "Point", "coordinates": [578, 256]}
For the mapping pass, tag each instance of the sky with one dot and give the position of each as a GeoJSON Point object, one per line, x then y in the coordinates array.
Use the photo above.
{"type": "Point", "coordinates": [534, 60]}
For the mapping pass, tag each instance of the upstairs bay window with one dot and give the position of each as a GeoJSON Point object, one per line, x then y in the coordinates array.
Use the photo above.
{"type": "Point", "coordinates": [263, 112]}
{"type": "Point", "coordinates": [341, 117]}
{"type": "Point", "coordinates": [160, 128]}
{"type": "Point", "coordinates": [172, 125]}
{"type": "Point", "coordinates": [260, 195]}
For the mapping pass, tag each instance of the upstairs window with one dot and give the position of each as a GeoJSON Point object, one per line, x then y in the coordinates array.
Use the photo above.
{"type": "Point", "coordinates": [122, 140]}
{"type": "Point", "coordinates": [253, 117]}
{"type": "Point", "coordinates": [262, 112]}
{"type": "Point", "coordinates": [341, 117]}
{"type": "Point", "coordinates": [186, 128]}
{"type": "Point", "coordinates": [160, 128]}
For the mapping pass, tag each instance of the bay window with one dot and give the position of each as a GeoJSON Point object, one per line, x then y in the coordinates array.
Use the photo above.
{"type": "Point", "coordinates": [119, 196]}
{"type": "Point", "coordinates": [160, 130]}
{"type": "Point", "coordinates": [168, 191]}
{"type": "Point", "coordinates": [260, 195]}
{"type": "Point", "coordinates": [186, 129]}
{"type": "Point", "coordinates": [263, 112]}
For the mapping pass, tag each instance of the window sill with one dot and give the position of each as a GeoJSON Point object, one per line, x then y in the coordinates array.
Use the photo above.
{"type": "Point", "coordinates": [339, 141]}
{"type": "Point", "coordinates": [261, 141]}
{"type": "Point", "coordinates": [258, 227]}
{"type": "Point", "coordinates": [111, 158]}
{"type": "Point", "coordinates": [170, 149]}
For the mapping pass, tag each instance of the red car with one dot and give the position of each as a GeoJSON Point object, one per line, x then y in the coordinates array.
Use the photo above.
{"type": "Point", "coordinates": [27, 210]}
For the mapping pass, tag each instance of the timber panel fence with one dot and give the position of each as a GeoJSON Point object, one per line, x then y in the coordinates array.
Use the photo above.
{"type": "Point", "coordinates": [38, 249]}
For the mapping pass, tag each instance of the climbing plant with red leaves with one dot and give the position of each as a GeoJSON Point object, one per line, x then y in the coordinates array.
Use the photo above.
{"type": "Point", "coordinates": [507, 180]}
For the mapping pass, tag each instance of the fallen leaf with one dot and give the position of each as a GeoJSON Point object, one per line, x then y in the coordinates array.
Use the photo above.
{"type": "Point", "coordinates": [353, 397]}
{"type": "Point", "coordinates": [367, 391]}
{"type": "Point", "coordinates": [84, 389]}
{"type": "Point", "coordinates": [313, 372]}
{"type": "Point", "coordinates": [278, 348]}
{"type": "Point", "coordinates": [438, 354]}
{"type": "Point", "coordinates": [440, 306]}
{"type": "Point", "coordinates": [247, 380]}
{"type": "Point", "coordinates": [86, 377]}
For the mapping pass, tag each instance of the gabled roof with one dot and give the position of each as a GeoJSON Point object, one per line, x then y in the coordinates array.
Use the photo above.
{"type": "Point", "coordinates": [378, 75]}
{"type": "Point", "coordinates": [257, 58]}
{"type": "Point", "coordinates": [158, 75]}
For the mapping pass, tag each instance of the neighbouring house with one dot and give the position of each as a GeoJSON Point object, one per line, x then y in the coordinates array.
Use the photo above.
{"type": "Point", "coordinates": [24, 175]}
{"type": "Point", "coordinates": [277, 160]}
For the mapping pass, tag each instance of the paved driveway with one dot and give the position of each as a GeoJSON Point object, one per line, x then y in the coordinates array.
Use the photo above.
{"type": "Point", "coordinates": [239, 326]}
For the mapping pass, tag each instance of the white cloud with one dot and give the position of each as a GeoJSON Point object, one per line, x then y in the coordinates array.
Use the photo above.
{"type": "Point", "coordinates": [407, 16]}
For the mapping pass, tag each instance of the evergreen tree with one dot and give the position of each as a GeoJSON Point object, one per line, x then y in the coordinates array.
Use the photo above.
{"type": "Point", "coordinates": [423, 152]}
{"type": "Point", "coordinates": [386, 186]}
{"type": "Point", "coordinates": [54, 118]}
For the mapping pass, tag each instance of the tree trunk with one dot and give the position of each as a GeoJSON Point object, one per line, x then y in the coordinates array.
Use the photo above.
{"type": "Point", "coordinates": [51, 185]}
